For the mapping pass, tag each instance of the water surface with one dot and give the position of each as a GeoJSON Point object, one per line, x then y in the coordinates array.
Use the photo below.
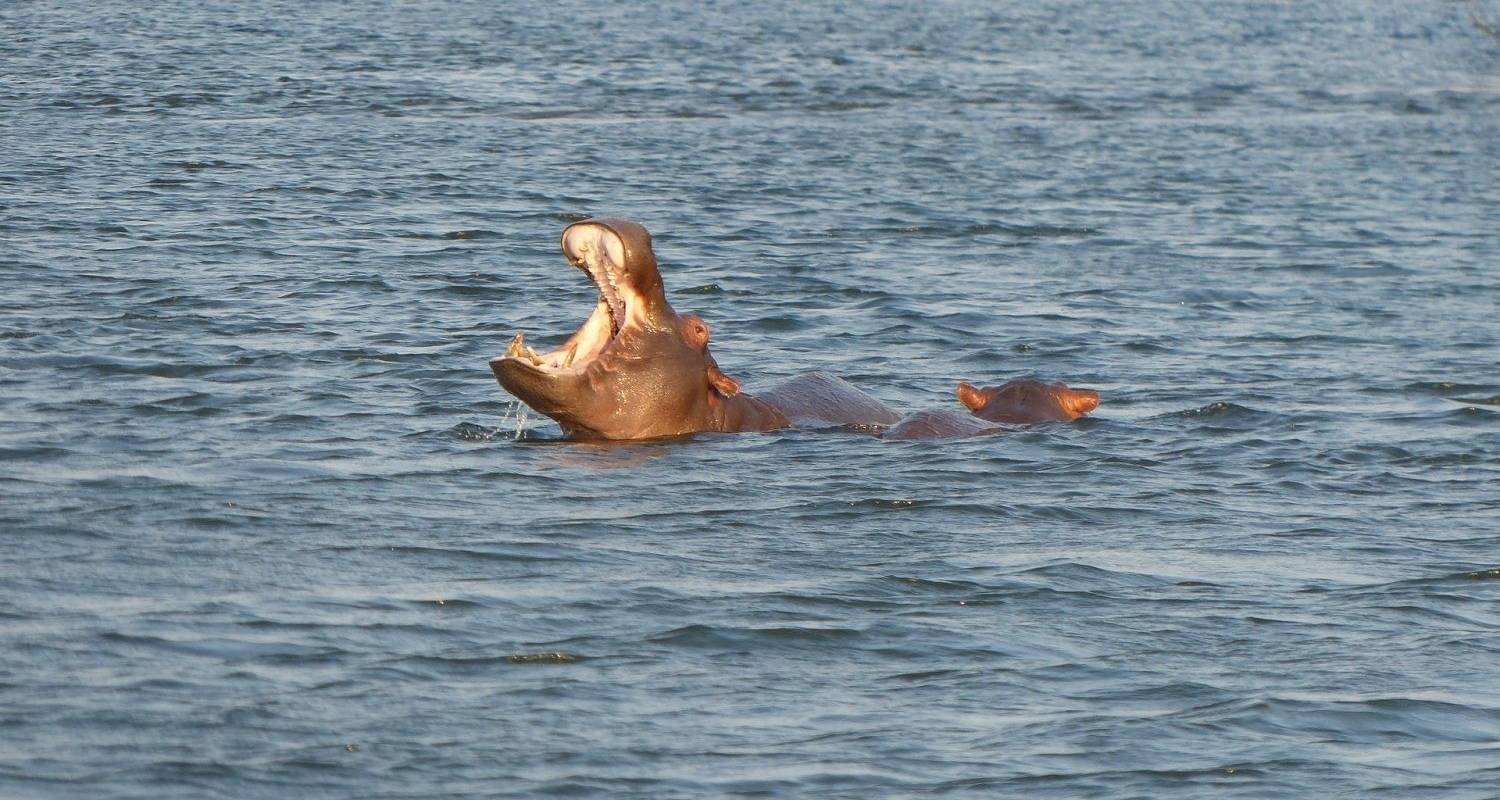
{"type": "Point", "coordinates": [268, 528]}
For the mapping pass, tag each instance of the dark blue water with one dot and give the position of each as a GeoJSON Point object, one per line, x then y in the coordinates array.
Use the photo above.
{"type": "Point", "coordinates": [267, 530]}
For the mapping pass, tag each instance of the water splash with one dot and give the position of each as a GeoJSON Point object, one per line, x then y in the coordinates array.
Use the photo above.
{"type": "Point", "coordinates": [522, 414]}
{"type": "Point", "coordinates": [515, 418]}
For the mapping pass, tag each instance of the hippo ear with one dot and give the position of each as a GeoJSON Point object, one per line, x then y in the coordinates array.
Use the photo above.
{"type": "Point", "coordinates": [1078, 402]}
{"type": "Point", "coordinates": [723, 384]}
{"type": "Point", "coordinates": [973, 399]}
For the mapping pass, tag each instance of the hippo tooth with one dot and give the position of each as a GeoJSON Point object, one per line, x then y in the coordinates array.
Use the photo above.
{"type": "Point", "coordinates": [616, 309]}
{"type": "Point", "coordinates": [514, 351]}
{"type": "Point", "coordinates": [536, 360]}
{"type": "Point", "coordinates": [616, 302]}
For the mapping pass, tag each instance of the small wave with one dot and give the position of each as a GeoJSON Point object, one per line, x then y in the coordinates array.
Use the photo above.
{"type": "Point", "coordinates": [185, 100]}
{"type": "Point", "coordinates": [232, 649]}
{"type": "Point", "coordinates": [447, 604]}
{"type": "Point", "coordinates": [1450, 460]}
{"type": "Point", "coordinates": [200, 166]}
{"type": "Point", "coordinates": [1469, 416]}
{"type": "Point", "coordinates": [115, 365]}
{"type": "Point", "coordinates": [881, 502]}
{"type": "Point", "coordinates": [693, 113]}
{"type": "Point", "coordinates": [1016, 230]}
{"type": "Point", "coordinates": [707, 636]}
{"type": "Point", "coordinates": [470, 432]}
{"type": "Point", "coordinates": [554, 657]}
{"type": "Point", "coordinates": [33, 453]}
{"type": "Point", "coordinates": [482, 291]}
{"type": "Point", "coordinates": [472, 233]}
{"type": "Point", "coordinates": [546, 114]}
{"type": "Point", "coordinates": [370, 282]}
{"type": "Point", "coordinates": [924, 676]}
{"type": "Point", "coordinates": [1456, 579]}
{"type": "Point", "coordinates": [1223, 410]}
{"type": "Point", "coordinates": [836, 106]}
{"type": "Point", "coordinates": [193, 403]}
{"type": "Point", "coordinates": [1077, 575]}
{"type": "Point", "coordinates": [304, 189]}
{"type": "Point", "coordinates": [1080, 109]}
{"type": "Point", "coordinates": [1375, 719]}
{"type": "Point", "coordinates": [905, 585]}
{"type": "Point", "coordinates": [516, 554]}
{"type": "Point", "coordinates": [778, 323]}
{"type": "Point", "coordinates": [1447, 388]}
{"type": "Point", "coordinates": [1366, 454]}
{"type": "Point", "coordinates": [463, 665]}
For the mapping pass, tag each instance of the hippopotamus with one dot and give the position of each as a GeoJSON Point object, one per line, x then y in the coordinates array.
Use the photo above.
{"type": "Point", "coordinates": [636, 369]}
{"type": "Point", "coordinates": [1023, 401]}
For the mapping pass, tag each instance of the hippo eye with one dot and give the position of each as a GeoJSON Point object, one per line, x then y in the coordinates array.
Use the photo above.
{"type": "Point", "coordinates": [700, 329]}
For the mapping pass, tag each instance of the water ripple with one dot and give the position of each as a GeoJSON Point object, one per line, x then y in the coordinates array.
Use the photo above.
{"type": "Point", "coordinates": [270, 529]}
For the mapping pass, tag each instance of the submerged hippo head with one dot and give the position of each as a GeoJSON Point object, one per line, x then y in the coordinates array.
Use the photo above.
{"type": "Point", "coordinates": [634, 369]}
{"type": "Point", "coordinates": [1025, 400]}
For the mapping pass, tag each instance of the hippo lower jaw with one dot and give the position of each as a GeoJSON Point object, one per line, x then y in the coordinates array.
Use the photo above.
{"type": "Point", "coordinates": [581, 349]}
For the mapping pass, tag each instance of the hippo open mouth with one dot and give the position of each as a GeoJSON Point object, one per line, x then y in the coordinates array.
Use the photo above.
{"type": "Point", "coordinates": [599, 252]}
